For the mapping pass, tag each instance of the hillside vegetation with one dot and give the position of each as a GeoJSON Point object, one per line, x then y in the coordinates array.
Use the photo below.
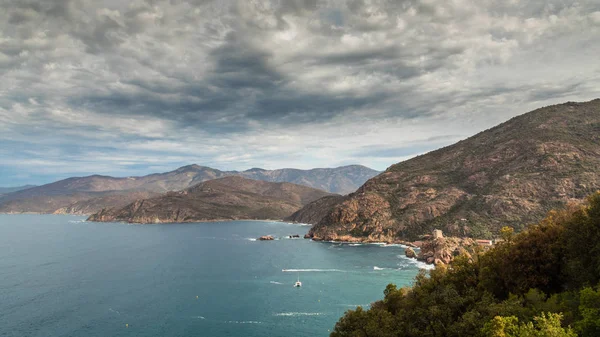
{"type": "Point", "coordinates": [544, 281]}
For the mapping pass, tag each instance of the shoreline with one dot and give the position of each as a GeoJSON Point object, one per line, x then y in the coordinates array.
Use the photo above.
{"type": "Point", "coordinates": [42, 213]}
{"type": "Point", "coordinates": [191, 221]}
{"type": "Point", "coordinates": [393, 242]}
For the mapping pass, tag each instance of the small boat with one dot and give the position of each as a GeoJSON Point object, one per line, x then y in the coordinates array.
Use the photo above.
{"type": "Point", "coordinates": [298, 284]}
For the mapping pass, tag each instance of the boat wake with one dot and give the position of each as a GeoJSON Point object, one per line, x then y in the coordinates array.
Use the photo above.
{"type": "Point", "coordinates": [312, 270]}
{"type": "Point", "coordinates": [296, 314]}
{"type": "Point", "coordinates": [354, 305]}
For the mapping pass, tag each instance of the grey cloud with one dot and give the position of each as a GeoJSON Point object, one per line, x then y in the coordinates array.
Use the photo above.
{"type": "Point", "coordinates": [230, 69]}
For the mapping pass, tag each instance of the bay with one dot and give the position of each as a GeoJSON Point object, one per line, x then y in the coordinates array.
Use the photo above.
{"type": "Point", "coordinates": [62, 276]}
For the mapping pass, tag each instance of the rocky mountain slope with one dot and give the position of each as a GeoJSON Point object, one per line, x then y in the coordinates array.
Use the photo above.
{"type": "Point", "coordinates": [86, 195]}
{"type": "Point", "coordinates": [511, 175]}
{"type": "Point", "coordinates": [229, 198]}
{"type": "Point", "coordinates": [316, 210]}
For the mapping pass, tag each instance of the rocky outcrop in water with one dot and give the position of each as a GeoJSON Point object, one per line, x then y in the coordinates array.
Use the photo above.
{"type": "Point", "coordinates": [443, 250]}
{"type": "Point", "coordinates": [410, 253]}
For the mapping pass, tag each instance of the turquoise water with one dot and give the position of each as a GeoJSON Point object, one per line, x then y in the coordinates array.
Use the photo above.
{"type": "Point", "coordinates": [61, 276]}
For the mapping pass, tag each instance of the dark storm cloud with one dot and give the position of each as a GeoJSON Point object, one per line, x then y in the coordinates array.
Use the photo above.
{"type": "Point", "coordinates": [258, 83]}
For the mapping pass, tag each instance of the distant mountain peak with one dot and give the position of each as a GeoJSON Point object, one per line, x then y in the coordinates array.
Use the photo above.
{"type": "Point", "coordinates": [192, 167]}
{"type": "Point", "coordinates": [256, 169]}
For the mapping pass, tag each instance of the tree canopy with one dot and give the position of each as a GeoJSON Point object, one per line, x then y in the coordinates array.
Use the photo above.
{"type": "Point", "coordinates": [540, 282]}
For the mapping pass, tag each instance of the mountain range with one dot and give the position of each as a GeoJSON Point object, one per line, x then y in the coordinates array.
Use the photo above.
{"type": "Point", "coordinates": [512, 174]}
{"type": "Point", "coordinates": [229, 198]}
{"type": "Point", "coordinates": [6, 190]}
{"type": "Point", "coordinates": [86, 195]}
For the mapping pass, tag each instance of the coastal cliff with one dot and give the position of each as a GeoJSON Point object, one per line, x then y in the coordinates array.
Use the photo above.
{"type": "Point", "coordinates": [512, 174]}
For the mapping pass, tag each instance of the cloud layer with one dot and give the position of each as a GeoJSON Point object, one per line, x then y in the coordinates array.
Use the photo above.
{"type": "Point", "coordinates": [121, 87]}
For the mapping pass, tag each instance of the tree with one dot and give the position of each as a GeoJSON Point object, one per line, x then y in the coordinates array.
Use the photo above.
{"type": "Point", "coordinates": [545, 325]}
{"type": "Point", "coordinates": [507, 233]}
{"type": "Point", "coordinates": [582, 236]}
{"type": "Point", "coordinates": [589, 309]}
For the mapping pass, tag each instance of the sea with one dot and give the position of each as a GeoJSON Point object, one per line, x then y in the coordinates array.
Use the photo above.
{"type": "Point", "coordinates": [63, 276]}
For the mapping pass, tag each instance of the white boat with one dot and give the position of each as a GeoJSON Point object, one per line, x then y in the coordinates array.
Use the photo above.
{"type": "Point", "coordinates": [298, 284]}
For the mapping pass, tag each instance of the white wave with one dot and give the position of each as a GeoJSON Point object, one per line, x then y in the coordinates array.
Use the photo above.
{"type": "Point", "coordinates": [378, 268]}
{"type": "Point", "coordinates": [296, 314]}
{"type": "Point", "coordinates": [355, 244]}
{"type": "Point", "coordinates": [199, 317]}
{"type": "Point", "coordinates": [76, 221]}
{"type": "Point", "coordinates": [312, 270]}
{"type": "Point", "coordinates": [251, 239]}
{"type": "Point", "coordinates": [275, 282]}
{"type": "Point", "coordinates": [115, 311]}
{"type": "Point", "coordinates": [243, 322]}
{"type": "Point", "coordinates": [423, 265]}
{"type": "Point", "coordinates": [419, 264]}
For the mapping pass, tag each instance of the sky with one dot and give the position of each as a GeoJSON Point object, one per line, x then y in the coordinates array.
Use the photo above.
{"type": "Point", "coordinates": [135, 87]}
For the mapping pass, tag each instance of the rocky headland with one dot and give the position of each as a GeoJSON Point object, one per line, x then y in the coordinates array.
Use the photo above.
{"type": "Point", "coordinates": [512, 174]}
{"type": "Point", "coordinates": [230, 198]}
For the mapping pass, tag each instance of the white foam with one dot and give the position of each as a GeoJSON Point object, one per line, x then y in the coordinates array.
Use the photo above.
{"type": "Point", "coordinates": [378, 268]}
{"type": "Point", "coordinates": [251, 239]}
{"type": "Point", "coordinates": [355, 244]}
{"type": "Point", "coordinates": [115, 311]}
{"type": "Point", "coordinates": [275, 282]}
{"type": "Point", "coordinates": [199, 317]}
{"type": "Point", "coordinates": [312, 270]}
{"type": "Point", "coordinates": [423, 265]}
{"type": "Point", "coordinates": [296, 314]}
{"type": "Point", "coordinates": [243, 322]}
{"type": "Point", "coordinates": [419, 264]}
